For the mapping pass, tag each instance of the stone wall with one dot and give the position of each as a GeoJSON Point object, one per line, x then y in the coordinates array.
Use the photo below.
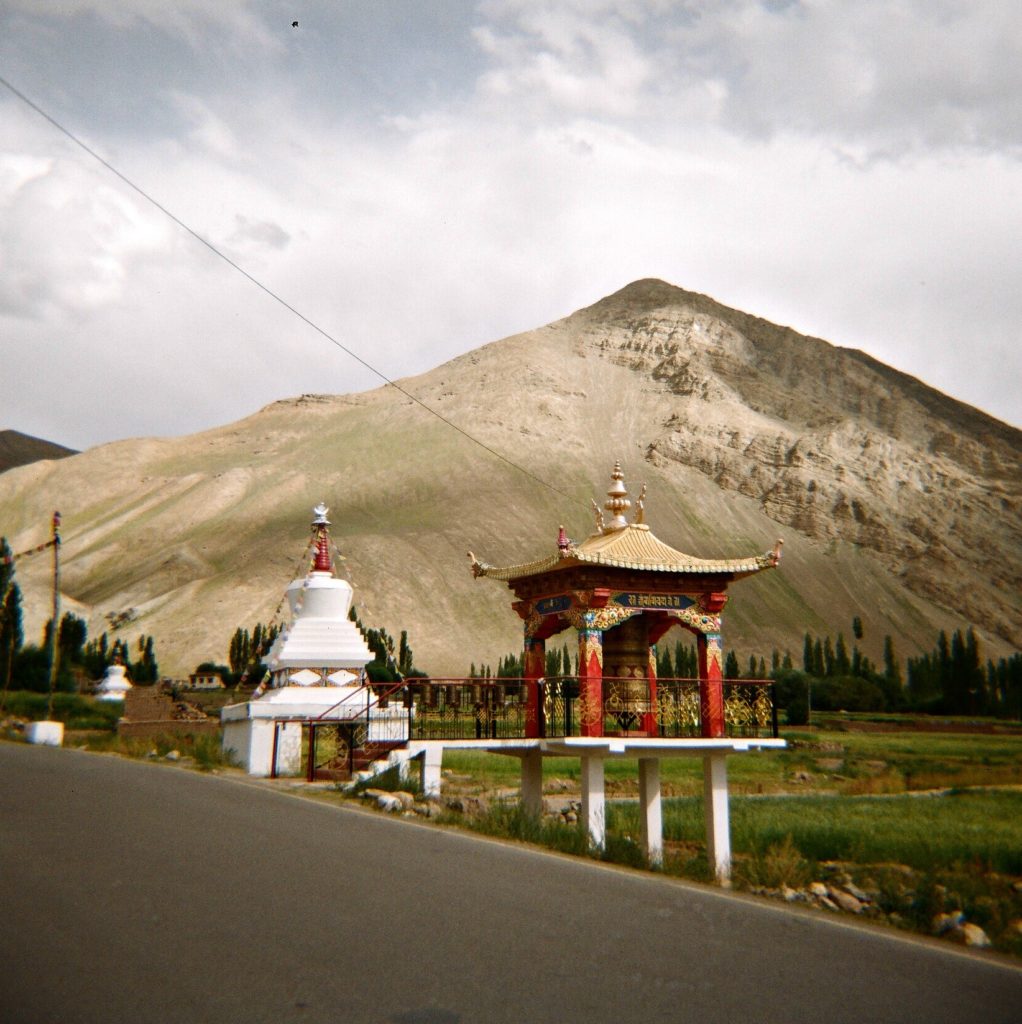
{"type": "Point", "coordinates": [152, 711]}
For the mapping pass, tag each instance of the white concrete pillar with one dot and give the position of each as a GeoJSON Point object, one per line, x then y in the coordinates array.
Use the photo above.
{"type": "Point", "coordinates": [718, 826]}
{"type": "Point", "coordinates": [650, 814]}
{"type": "Point", "coordinates": [430, 762]}
{"type": "Point", "coordinates": [532, 783]}
{"type": "Point", "coordinates": [593, 806]}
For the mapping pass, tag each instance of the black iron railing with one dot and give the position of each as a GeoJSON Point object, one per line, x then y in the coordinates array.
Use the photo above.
{"type": "Point", "coordinates": [467, 709]}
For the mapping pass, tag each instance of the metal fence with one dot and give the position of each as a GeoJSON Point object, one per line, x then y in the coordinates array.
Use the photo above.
{"type": "Point", "coordinates": [498, 708]}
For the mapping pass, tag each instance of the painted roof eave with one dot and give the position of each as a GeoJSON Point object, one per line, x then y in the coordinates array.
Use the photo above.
{"type": "Point", "coordinates": [683, 565]}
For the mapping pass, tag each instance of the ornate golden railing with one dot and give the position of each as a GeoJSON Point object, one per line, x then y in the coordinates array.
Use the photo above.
{"type": "Point", "coordinates": [498, 708]}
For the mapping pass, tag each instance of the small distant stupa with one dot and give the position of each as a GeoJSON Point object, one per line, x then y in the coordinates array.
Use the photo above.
{"type": "Point", "coordinates": [114, 684]}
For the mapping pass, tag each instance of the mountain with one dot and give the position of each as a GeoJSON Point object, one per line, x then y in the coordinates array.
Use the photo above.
{"type": "Point", "coordinates": [896, 503]}
{"type": "Point", "coordinates": [17, 449]}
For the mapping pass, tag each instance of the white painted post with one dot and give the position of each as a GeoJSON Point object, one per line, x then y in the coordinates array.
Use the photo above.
{"type": "Point", "coordinates": [48, 733]}
{"type": "Point", "coordinates": [593, 808]}
{"type": "Point", "coordinates": [718, 827]}
{"type": "Point", "coordinates": [650, 813]}
{"type": "Point", "coordinates": [430, 763]}
{"type": "Point", "coordinates": [532, 783]}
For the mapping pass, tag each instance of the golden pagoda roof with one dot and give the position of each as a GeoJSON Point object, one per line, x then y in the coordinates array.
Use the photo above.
{"type": "Point", "coordinates": [623, 545]}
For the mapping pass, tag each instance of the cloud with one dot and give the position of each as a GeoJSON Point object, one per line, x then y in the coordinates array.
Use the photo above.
{"type": "Point", "coordinates": [70, 234]}
{"type": "Point", "coordinates": [199, 23]}
{"type": "Point", "coordinates": [579, 64]}
{"type": "Point", "coordinates": [892, 78]}
{"type": "Point", "coordinates": [262, 233]}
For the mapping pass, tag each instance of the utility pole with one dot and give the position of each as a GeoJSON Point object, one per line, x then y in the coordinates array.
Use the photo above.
{"type": "Point", "coordinates": [54, 646]}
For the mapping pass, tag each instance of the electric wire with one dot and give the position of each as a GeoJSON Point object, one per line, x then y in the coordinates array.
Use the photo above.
{"type": "Point", "coordinates": [273, 295]}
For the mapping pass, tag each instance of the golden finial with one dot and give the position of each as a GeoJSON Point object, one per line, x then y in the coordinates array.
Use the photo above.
{"type": "Point", "coordinates": [618, 504]}
{"type": "Point", "coordinates": [640, 506]}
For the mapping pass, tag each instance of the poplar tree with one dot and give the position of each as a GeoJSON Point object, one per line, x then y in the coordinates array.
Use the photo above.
{"type": "Point", "coordinates": [12, 634]}
{"type": "Point", "coordinates": [404, 655]}
{"type": "Point", "coordinates": [808, 657]}
{"type": "Point", "coordinates": [841, 663]}
{"type": "Point", "coordinates": [892, 668]}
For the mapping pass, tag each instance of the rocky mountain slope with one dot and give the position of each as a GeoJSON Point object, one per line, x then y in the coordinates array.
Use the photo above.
{"type": "Point", "coordinates": [896, 503]}
{"type": "Point", "coordinates": [17, 449]}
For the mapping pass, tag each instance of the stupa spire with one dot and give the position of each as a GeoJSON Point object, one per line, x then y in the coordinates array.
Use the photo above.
{"type": "Point", "coordinates": [321, 525]}
{"type": "Point", "coordinates": [618, 503]}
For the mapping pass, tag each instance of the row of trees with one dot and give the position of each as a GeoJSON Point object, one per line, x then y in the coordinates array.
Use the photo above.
{"type": "Point", "coordinates": [391, 662]}
{"type": "Point", "coordinates": [247, 649]}
{"type": "Point", "coordinates": [952, 679]}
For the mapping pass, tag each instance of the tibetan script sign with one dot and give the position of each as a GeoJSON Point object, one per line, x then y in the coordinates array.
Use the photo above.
{"type": "Point", "coordinates": [665, 601]}
{"type": "Point", "coordinates": [550, 605]}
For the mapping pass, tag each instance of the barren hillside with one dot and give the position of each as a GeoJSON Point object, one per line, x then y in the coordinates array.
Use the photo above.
{"type": "Point", "coordinates": [896, 503]}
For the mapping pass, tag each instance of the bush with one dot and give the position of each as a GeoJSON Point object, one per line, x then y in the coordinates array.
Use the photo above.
{"type": "Point", "coordinates": [848, 693]}
{"type": "Point", "coordinates": [792, 694]}
{"type": "Point", "coordinates": [781, 864]}
{"type": "Point", "coordinates": [379, 672]}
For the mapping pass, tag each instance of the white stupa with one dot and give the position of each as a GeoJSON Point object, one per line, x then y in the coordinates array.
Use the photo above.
{"type": "Point", "coordinates": [322, 646]}
{"type": "Point", "coordinates": [315, 667]}
{"type": "Point", "coordinates": [114, 684]}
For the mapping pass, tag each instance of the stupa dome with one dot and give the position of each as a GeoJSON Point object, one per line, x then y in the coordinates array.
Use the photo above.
{"type": "Point", "coordinates": [114, 684]}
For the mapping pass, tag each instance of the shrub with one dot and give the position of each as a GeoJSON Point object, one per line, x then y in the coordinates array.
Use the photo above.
{"type": "Point", "coordinates": [792, 694]}
{"type": "Point", "coordinates": [781, 864]}
{"type": "Point", "coordinates": [848, 693]}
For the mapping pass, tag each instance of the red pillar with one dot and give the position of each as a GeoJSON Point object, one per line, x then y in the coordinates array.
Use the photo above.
{"type": "Point", "coordinates": [590, 682]}
{"type": "Point", "coordinates": [534, 668]}
{"type": "Point", "coordinates": [711, 684]}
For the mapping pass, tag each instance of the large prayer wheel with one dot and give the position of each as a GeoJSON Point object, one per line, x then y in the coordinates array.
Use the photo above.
{"type": "Point", "coordinates": [625, 672]}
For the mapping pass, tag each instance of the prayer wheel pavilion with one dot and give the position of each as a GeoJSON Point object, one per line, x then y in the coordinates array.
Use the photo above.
{"type": "Point", "coordinates": [621, 589]}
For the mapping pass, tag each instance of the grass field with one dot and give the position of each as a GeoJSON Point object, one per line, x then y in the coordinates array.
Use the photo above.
{"type": "Point", "coordinates": [980, 830]}
{"type": "Point", "coordinates": [850, 763]}
{"type": "Point", "coordinates": [908, 816]}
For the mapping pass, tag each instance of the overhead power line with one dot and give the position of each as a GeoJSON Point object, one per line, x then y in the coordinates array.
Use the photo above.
{"type": "Point", "coordinates": [272, 294]}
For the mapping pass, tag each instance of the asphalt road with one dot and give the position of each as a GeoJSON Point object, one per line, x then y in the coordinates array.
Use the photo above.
{"type": "Point", "coordinates": [134, 892]}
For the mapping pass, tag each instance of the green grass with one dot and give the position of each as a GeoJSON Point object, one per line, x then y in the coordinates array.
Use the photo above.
{"type": "Point", "coordinates": [509, 820]}
{"type": "Point", "coordinates": [868, 763]}
{"type": "Point", "coordinates": [919, 855]}
{"type": "Point", "coordinates": [983, 829]}
{"type": "Point", "coordinates": [205, 751]}
{"type": "Point", "coordinates": [76, 712]}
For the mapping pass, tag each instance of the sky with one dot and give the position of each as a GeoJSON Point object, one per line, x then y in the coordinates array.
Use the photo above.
{"type": "Point", "coordinates": [419, 178]}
